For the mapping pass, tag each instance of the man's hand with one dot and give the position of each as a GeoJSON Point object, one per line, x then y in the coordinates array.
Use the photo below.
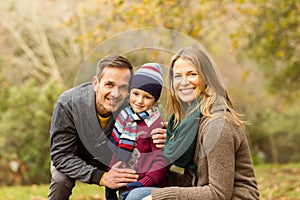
{"type": "Point", "coordinates": [118, 177]}
{"type": "Point", "coordinates": [159, 135]}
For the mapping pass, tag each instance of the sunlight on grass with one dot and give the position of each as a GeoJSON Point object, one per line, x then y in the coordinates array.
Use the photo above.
{"type": "Point", "coordinates": [280, 182]}
{"type": "Point", "coordinates": [275, 182]}
{"type": "Point", "coordinates": [87, 192]}
{"type": "Point", "coordinates": [32, 192]}
{"type": "Point", "coordinates": [80, 192]}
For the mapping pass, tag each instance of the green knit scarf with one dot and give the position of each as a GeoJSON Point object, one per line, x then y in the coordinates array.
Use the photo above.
{"type": "Point", "coordinates": [181, 142]}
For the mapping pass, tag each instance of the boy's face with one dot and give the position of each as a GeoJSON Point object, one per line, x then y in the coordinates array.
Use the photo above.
{"type": "Point", "coordinates": [140, 100]}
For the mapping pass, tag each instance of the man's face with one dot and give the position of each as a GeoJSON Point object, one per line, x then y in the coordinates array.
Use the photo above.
{"type": "Point", "coordinates": [111, 90]}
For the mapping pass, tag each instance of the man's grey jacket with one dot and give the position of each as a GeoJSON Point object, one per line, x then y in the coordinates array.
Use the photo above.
{"type": "Point", "coordinates": [78, 144]}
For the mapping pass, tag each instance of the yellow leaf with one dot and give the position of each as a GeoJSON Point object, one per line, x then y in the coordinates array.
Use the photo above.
{"type": "Point", "coordinates": [280, 54]}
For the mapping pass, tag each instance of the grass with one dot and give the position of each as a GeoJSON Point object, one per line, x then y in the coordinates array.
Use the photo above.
{"type": "Point", "coordinates": [275, 182]}
{"type": "Point", "coordinates": [39, 192]}
{"type": "Point", "coordinates": [279, 182]}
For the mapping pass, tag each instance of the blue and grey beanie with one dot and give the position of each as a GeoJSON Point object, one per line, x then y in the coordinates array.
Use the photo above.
{"type": "Point", "coordinates": [148, 78]}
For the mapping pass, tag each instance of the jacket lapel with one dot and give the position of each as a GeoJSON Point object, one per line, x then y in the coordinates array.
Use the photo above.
{"type": "Point", "coordinates": [93, 137]}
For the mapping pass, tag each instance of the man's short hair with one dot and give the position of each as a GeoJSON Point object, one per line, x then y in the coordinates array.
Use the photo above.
{"type": "Point", "coordinates": [113, 61]}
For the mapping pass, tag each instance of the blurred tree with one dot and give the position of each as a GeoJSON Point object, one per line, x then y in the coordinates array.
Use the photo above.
{"type": "Point", "coordinates": [25, 124]}
{"type": "Point", "coordinates": [37, 44]}
{"type": "Point", "coordinates": [276, 133]}
{"type": "Point", "coordinates": [98, 20]}
{"type": "Point", "coordinates": [270, 34]}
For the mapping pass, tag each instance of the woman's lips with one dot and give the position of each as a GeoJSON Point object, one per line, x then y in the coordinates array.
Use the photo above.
{"type": "Point", "coordinates": [186, 91]}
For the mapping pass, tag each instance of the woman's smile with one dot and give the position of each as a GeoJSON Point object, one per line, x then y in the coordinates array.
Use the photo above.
{"type": "Point", "coordinates": [186, 80]}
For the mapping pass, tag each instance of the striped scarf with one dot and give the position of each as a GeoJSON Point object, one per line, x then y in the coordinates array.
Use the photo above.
{"type": "Point", "coordinates": [124, 134]}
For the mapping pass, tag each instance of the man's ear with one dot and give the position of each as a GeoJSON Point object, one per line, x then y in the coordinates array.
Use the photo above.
{"type": "Point", "coordinates": [95, 83]}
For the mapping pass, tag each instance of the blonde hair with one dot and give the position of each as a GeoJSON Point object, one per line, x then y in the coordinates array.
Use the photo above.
{"type": "Point", "coordinates": [212, 90]}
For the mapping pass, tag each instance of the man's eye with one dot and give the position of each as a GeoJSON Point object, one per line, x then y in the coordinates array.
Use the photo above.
{"type": "Point", "coordinates": [124, 88]}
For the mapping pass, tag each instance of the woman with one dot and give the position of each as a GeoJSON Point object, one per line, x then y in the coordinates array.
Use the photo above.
{"type": "Point", "coordinates": [205, 135]}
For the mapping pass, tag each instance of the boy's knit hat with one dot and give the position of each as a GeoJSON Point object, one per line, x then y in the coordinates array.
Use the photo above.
{"type": "Point", "coordinates": [148, 78]}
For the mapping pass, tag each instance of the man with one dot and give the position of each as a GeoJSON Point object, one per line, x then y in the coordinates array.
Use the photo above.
{"type": "Point", "coordinates": [82, 122]}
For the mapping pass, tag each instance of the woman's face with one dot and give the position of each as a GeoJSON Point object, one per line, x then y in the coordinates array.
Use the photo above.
{"type": "Point", "coordinates": [186, 80]}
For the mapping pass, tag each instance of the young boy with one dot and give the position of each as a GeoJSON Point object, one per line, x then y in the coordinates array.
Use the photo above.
{"type": "Point", "coordinates": [131, 140]}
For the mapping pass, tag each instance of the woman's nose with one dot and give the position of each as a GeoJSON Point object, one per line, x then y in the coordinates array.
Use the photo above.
{"type": "Point", "coordinates": [184, 81]}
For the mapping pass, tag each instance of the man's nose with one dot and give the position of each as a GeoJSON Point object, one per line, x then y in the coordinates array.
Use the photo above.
{"type": "Point", "coordinates": [115, 92]}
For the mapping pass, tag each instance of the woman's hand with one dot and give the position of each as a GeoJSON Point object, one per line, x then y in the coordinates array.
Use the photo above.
{"type": "Point", "coordinates": [118, 177]}
{"type": "Point", "coordinates": [147, 198]}
{"type": "Point", "coordinates": [159, 136]}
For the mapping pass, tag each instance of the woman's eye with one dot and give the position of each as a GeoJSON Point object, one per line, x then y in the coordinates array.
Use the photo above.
{"type": "Point", "coordinates": [193, 74]}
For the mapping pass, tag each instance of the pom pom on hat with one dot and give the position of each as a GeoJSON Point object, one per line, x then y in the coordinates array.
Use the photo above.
{"type": "Point", "coordinates": [148, 78]}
